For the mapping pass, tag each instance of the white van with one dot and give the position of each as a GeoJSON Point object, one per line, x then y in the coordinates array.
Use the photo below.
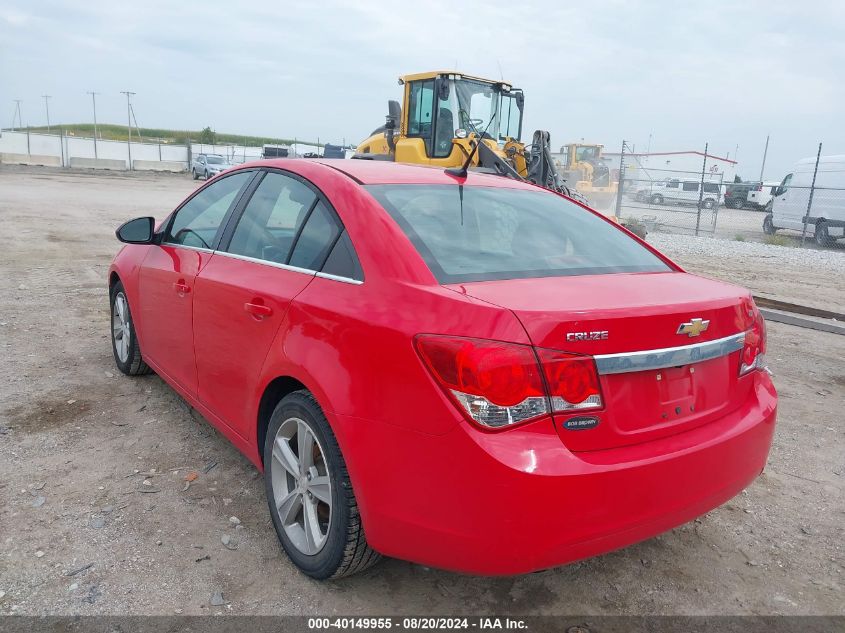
{"type": "Point", "coordinates": [674, 190]}
{"type": "Point", "coordinates": [826, 220]}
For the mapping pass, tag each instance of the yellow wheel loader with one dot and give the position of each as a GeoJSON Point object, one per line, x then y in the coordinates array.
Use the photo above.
{"type": "Point", "coordinates": [444, 115]}
{"type": "Point", "coordinates": [585, 169]}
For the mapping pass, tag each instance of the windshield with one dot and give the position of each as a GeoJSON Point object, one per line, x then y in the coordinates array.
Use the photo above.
{"type": "Point", "coordinates": [467, 234]}
{"type": "Point", "coordinates": [215, 160]}
{"type": "Point", "coordinates": [477, 106]}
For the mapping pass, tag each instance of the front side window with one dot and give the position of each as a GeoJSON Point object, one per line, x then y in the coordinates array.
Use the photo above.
{"type": "Point", "coordinates": [269, 223]}
{"type": "Point", "coordinates": [467, 234]}
{"type": "Point", "coordinates": [198, 221]}
{"type": "Point", "coordinates": [690, 186]}
{"type": "Point", "coordinates": [712, 187]}
{"type": "Point", "coordinates": [215, 160]}
{"type": "Point", "coordinates": [785, 184]}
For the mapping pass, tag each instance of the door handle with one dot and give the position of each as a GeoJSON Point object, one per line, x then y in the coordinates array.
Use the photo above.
{"type": "Point", "coordinates": [181, 287]}
{"type": "Point", "coordinates": [258, 310]}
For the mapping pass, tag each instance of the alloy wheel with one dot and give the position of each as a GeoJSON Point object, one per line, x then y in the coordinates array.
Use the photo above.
{"type": "Point", "coordinates": [301, 483]}
{"type": "Point", "coordinates": [120, 327]}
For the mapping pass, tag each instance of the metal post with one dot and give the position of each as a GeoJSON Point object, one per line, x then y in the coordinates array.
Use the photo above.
{"type": "Point", "coordinates": [128, 125]}
{"type": "Point", "coordinates": [94, 103]}
{"type": "Point", "coordinates": [701, 189]}
{"type": "Point", "coordinates": [47, 107]}
{"type": "Point", "coordinates": [810, 201]}
{"type": "Point", "coordinates": [765, 151]}
{"type": "Point", "coordinates": [62, 145]}
{"type": "Point", "coordinates": [620, 185]}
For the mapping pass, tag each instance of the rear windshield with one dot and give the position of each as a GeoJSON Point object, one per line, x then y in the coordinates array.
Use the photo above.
{"type": "Point", "coordinates": [469, 234]}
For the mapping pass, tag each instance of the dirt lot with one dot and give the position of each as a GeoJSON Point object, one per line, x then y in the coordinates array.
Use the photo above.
{"type": "Point", "coordinates": [81, 533]}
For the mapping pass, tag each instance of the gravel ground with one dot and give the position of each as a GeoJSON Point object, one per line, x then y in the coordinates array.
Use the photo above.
{"type": "Point", "coordinates": [799, 275]}
{"type": "Point", "coordinates": [115, 497]}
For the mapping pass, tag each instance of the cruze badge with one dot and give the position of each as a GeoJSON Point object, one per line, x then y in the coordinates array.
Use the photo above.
{"type": "Point", "coordinates": [694, 328]}
{"type": "Point", "coordinates": [601, 335]}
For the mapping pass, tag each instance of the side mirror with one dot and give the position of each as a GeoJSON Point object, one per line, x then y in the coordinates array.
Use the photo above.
{"type": "Point", "coordinates": [137, 231]}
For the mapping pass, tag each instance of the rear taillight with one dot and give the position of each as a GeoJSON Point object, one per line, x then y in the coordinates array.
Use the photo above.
{"type": "Point", "coordinates": [499, 384]}
{"type": "Point", "coordinates": [753, 355]}
{"type": "Point", "coordinates": [573, 380]}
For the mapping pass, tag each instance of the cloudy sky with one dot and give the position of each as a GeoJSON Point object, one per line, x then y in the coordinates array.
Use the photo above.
{"type": "Point", "coordinates": [684, 73]}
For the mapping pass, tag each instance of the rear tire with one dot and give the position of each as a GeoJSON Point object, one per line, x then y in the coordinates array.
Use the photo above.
{"type": "Point", "coordinates": [768, 226]}
{"type": "Point", "coordinates": [822, 236]}
{"type": "Point", "coordinates": [656, 199]}
{"type": "Point", "coordinates": [124, 342]}
{"type": "Point", "coordinates": [341, 550]}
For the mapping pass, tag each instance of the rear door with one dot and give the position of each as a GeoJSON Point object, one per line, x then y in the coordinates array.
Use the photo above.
{"type": "Point", "coordinates": [168, 273]}
{"type": "Point", "coordinates": [268, 255]}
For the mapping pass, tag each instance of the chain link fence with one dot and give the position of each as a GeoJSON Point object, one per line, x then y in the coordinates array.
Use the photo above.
{"type": "Point", "coordinates": [667, 193]}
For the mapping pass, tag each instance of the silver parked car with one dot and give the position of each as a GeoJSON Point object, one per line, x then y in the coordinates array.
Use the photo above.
{"type": "Point", "coordinates": [208, 165]}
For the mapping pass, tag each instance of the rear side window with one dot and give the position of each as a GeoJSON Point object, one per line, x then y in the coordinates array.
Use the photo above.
{"type": "Point", "coordinates": [469, 234]}
{"type": "Point", "coordinates": [317, 238]}
{"type": "Point", "coordinates": [342, 261]}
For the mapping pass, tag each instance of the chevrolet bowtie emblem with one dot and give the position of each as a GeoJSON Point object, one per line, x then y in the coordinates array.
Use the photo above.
{"type": "Point", "coordinates": [694, 328]}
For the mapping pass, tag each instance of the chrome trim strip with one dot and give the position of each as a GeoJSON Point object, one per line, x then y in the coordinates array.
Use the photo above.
{"type": "Point", "coordinates": [669, 356]}
{"type": "Point", "coordinates": [255, 260]}
{"type": "Point", "coordinates": [190, 248]}
{"type": "Point", "coordinates": [346, 280]}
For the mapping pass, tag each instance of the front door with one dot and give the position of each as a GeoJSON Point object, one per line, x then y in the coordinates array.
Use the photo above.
{"type": "Point", "coordinates": [168, 273]}
{"type": "Point", "coordinates": [242, 296]}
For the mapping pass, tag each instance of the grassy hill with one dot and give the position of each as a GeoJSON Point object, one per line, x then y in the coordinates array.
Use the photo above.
{"type": "Point", "coordinates": [113, 132]}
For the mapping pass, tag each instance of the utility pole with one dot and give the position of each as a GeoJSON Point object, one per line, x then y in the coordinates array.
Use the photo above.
{"type": "Point", "coordinates": [94, 103]}
{"type": "Point", "coordinates": [128, 125]}
{"type": "Point", "coordinates": [47, 107]}
{"type": "Point", "coordinates": [765, 151]}
{"type": "Point", "coordinates": [18, 114]}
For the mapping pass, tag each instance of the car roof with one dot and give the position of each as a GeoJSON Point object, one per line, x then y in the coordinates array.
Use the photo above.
{"type": "Point", "coordinates": [382, 172]}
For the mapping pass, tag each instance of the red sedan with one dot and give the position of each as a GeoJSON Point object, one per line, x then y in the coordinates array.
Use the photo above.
{"type": "Point", "coordinates": [469, 373]}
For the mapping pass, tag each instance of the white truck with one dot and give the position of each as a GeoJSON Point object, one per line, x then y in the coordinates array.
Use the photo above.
{"type": "Point", "coordinates": [759, 196]}
{"type": "Point", "coordinates": [825, 221]}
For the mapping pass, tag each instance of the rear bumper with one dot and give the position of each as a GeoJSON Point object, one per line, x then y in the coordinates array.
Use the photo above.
{"type": "Point", "coordinates": [519, 501]}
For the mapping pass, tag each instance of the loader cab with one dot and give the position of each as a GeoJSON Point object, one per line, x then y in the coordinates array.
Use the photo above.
{"type": "Point", "coordinates": [442, 107]}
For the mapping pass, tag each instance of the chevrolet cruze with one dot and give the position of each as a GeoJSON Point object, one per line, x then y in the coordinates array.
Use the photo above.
{"type": "Point", "coordinates": [471, 373]}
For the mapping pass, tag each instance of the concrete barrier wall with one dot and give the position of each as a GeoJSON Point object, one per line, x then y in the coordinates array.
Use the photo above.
{"type": "Point", "coordinates": [97, 163]}
{"type": "Point", "coordinates": [159, 165]}
{"type": "Point", "coordinates": [10, 158]}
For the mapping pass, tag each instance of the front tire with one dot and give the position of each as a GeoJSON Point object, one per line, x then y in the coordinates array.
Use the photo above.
{"type": "Point", "coordinates": [822, 235]}
{"type": "Point", "coordinates": [769, 227]}
{"type": "Point", "coordinates": [708, 204]}
{"type": "Point", "coordinates": [125, 347]}
{"type": "Point", "coordinates": [309, 493]}
{"type": "Point", "coordinates": [657, 199]}
{"type": "Point", "coordinates": [207, 175]}
{"type": "Point", "coordinates": [194, 174]}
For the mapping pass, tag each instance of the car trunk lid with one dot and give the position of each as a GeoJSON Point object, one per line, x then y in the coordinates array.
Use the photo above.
{"type": "Point", "coordinates": [666, 347]}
